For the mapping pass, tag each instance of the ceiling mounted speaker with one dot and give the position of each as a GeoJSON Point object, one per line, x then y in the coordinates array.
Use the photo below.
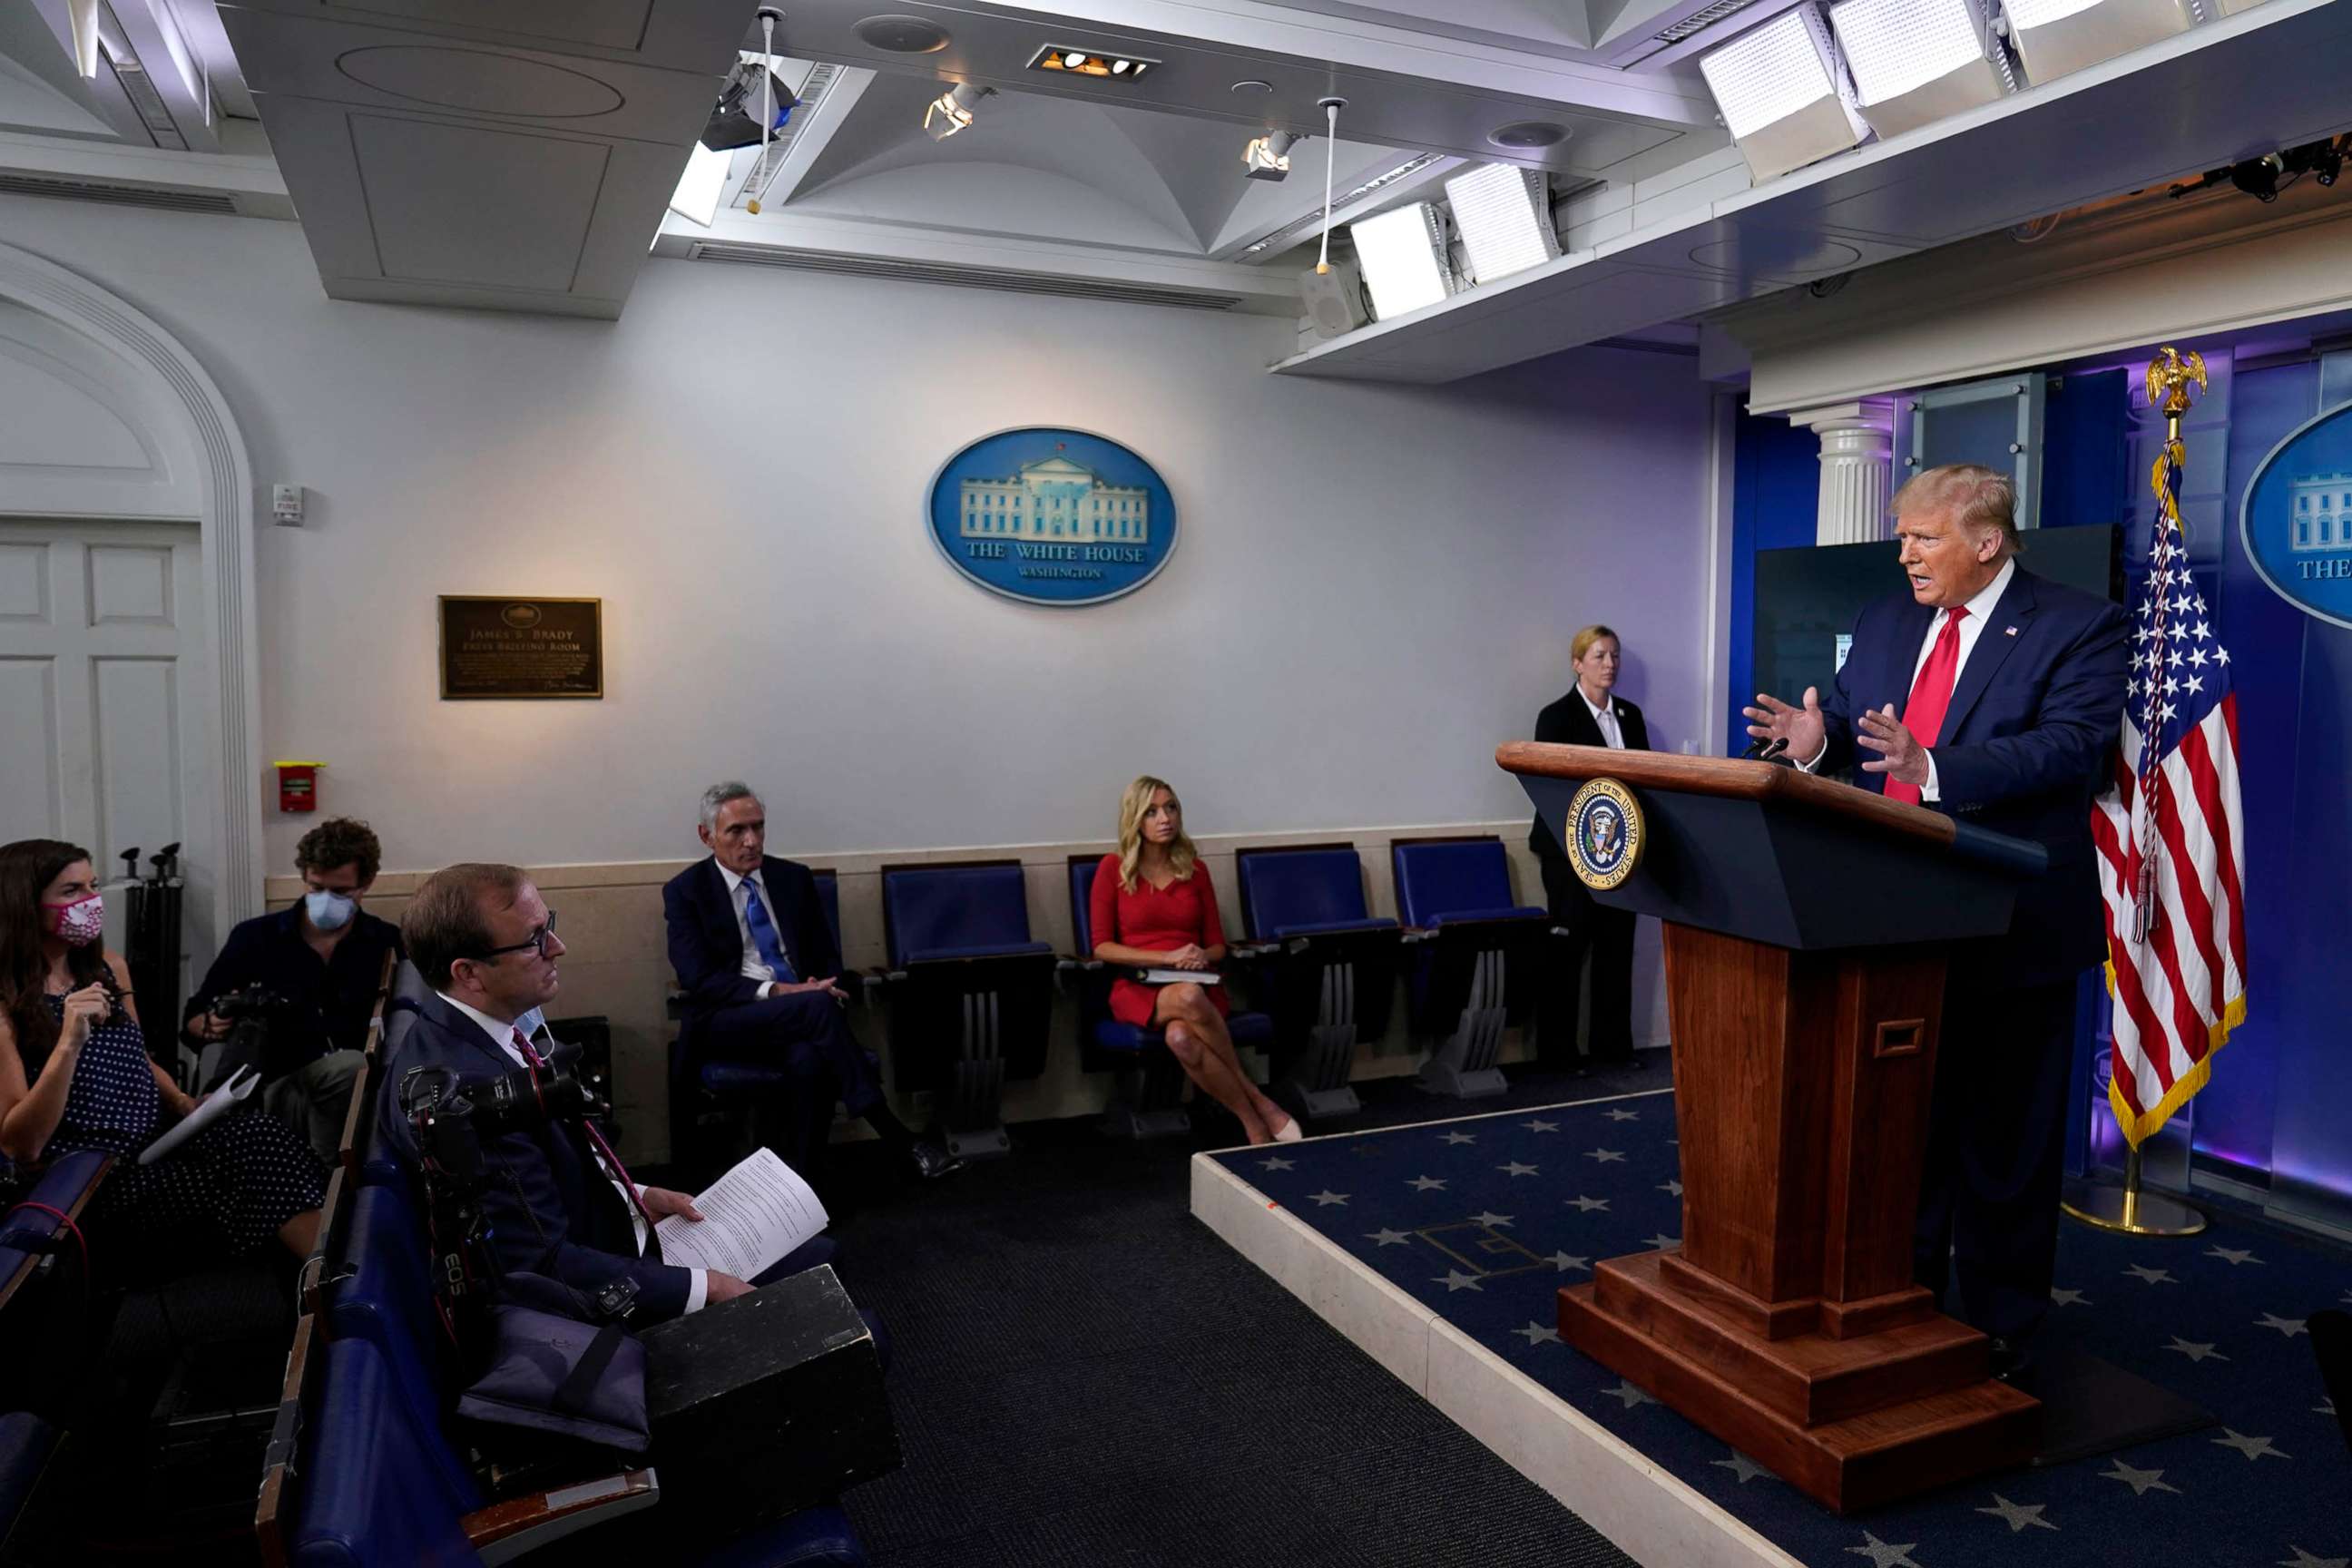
{"type": "Point", "coordinates": [902, 35]}
{"type": "Point", "coordinates": [1334, 299]}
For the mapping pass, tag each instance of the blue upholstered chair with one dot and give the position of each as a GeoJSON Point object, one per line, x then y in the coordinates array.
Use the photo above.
{"type": "Point", "coordinates": [1471, 967]}
{"type": "Point", "coordinates": [970, 994]}
{"type": "Point", "coordinates": [1332, 972]}
{"type": "Point", "coordinates": [1149, 1099]}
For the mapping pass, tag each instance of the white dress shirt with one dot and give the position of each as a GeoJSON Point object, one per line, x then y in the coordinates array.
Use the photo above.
{"type": "Point", "coordinates": [698, 1285]}
{"type": "Point", "coordinates": [1979, 609]}
{"type": "Point", "coordinates": [1604, 717]}
{"type": "Point", "coordinates": [754, 966]}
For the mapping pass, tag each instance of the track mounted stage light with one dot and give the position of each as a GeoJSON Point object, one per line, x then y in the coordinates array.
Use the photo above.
{"type": "Point", "coordinates": [1267, 157]}
{"type": "Point", "coordinates": [952, 110]}
{"type": "Point", "coordinates": [1503, 216]}
{"type": "Point", "coordinates": [1403, 254]}
{"type": "Point", "coordinates": [1916, 61]}
{"type": "Point", "coordinates": [2055, 36]}
{"type": "Point", "coordinates": [1784, 93]}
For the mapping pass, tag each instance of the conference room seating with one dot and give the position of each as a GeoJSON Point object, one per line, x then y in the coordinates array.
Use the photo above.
{"type": "Point", "coordinates": [1474, 956]}
{"type": "Point", "coordinates": [1332, 976]}
{"type": "Point", "coordinates": [720, 1110]}
{"type": "Point", "coordinates": [969, 994]}
{"type": "Point", "coordinates": [1149, 1102]}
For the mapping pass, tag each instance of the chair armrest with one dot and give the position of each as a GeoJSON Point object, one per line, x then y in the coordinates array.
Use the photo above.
{"type": "Point", "coordinates": [1418, 933]}
{"type": "Point", "coordinates": [505, 1530]}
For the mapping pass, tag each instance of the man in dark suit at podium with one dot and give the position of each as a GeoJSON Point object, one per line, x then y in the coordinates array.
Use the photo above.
{"type": "Point", "coordinates": [1992, 695]}
{"type": "Point", "coordinates": [761, 971]}
{"type": "Point", "coordinates": [1591, 714]}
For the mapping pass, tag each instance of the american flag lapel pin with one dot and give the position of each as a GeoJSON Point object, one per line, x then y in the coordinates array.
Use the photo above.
{"type": "Point", "coordinates": [2010, 631]}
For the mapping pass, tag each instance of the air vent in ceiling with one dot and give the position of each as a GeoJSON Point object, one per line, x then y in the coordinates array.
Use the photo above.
{"type": "Point", "coordinates": [1701, 20]}
{"type": "Point", "coordinates": [960, 276]}
{"type": "Point", "coordinates": [120, 196]}
{"type": "Point", "coordinates": [813, 92]}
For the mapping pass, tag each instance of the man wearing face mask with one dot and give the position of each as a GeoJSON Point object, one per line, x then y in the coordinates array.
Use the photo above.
{"type": "Point", "coordinates": [323, 957]}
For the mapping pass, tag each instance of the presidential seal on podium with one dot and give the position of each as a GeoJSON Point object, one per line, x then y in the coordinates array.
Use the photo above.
{"type": "Point", "coordinates": [1604, 833]}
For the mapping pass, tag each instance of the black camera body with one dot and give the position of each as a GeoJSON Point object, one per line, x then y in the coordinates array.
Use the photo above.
{"type": "Point", "coordinates": [264, 1034]}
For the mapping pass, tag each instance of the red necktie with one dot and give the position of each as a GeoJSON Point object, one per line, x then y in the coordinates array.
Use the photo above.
{"type": "Point", "coordinates": [1931, 693]}
{"type": "Point", "coordinates": [534, 1061]}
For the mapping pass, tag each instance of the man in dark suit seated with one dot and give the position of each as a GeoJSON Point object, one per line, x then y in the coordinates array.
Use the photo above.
{"type": "Point", "coordinates": [1992, 695]}
{"type": "Point", "coordinates": [1591, 714]}
{"type": "Point", "coordinates": [749, 940]}
{"type": "Point", "coordinates": [557, 1200]}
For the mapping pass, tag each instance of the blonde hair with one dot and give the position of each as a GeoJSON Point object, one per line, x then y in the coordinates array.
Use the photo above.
{"type": "Point", "coordinates": [1587, 638]}
{"type": "Point", "coordinates": [1978, 497]}
{"type": "Point", "coordinates": [1181, 854]}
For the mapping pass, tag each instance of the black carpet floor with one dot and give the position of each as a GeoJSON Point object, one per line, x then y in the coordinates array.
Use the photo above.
{"type": "Point", "coordinates": [1087, 1376]}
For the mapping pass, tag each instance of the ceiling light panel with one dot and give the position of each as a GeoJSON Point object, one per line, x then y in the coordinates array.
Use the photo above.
{"type": "Point", "coordinates": [1057, 61]}
{"type": "Point", "coordinates": [1780, 90]}
{"type": "Point", "coordinates": [1916, 61]}
{"type": "Point", "coordinates": [1402, 253]}
{"type": "Point", "coordinates": [1504, 214]}
{"type": "Point", "coordinates": [2054, 37]}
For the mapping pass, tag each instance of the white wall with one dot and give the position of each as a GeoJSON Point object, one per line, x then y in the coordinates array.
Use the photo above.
{"type": "Point", "coordinates": [1375, 585]}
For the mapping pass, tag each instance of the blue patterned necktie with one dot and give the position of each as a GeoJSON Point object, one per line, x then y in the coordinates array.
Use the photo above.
{"type": "Point", "coordinates": [764, 934]}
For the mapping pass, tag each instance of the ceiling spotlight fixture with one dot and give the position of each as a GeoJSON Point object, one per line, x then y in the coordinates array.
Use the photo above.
{"type": "Point", "coordinates": [2055, 36]}
{"type": "Point", "coordinates": [1784, 93]}
{"type": "Point", "coordinates": [1503, 216]}
{"type": "Point", "coordinates": [1916, 61]}
{"type": "Point", "coordinates": [1402, 253]}
{"type": "Point", "coordinates": [1085, 62]}
{"type": "Point", "coordinates": [952, 110]}
{"type": "Point", "coordinates": [2264, 177]}
{"type": "Point", "coordinates": [1267, 157]}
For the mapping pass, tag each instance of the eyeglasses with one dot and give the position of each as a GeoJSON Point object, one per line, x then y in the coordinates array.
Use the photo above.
{"type": "Point", "coordinates": [538, 941]}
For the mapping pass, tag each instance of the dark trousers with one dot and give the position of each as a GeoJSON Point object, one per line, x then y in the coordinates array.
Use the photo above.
{"type": "Point", "coordinates": [1996, 1141]}
{"type": "Point", "coordinates": [805, 1033]}
{"type": "Point", "coordinates": [1607, 935]}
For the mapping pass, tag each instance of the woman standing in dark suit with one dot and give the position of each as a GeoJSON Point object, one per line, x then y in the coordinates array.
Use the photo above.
{"type": "Point", "coordinates": [1591, 714]}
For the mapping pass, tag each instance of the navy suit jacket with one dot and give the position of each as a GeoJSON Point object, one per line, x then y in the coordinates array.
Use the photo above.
{"type": "Point", "coordinates": [706, 946]}
{"type": "Point", "coordinates": [2024, 746]}
{"type": "Point", "coordinates": [549, 1206]}
{"type": "Point", "coordinates": [1570, 722]}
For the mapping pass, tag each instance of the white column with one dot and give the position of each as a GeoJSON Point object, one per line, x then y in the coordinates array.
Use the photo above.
{"type": "Point", "coordinates": [1857, 467]}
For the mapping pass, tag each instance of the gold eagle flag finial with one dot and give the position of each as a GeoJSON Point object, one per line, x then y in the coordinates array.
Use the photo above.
{"type": "Point", "coordinates": [2170, 377]}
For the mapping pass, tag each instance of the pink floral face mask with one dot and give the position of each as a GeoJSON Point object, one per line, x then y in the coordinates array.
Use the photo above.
{"type": "Point", "coordinates": [81, 922]}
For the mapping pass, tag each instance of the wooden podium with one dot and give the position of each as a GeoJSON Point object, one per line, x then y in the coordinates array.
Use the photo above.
{"type": "Point", "coordinates": [1806, 928]}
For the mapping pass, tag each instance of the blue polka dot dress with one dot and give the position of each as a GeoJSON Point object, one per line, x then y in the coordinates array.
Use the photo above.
{"type": "Point", "coordinates": [224, 1193]}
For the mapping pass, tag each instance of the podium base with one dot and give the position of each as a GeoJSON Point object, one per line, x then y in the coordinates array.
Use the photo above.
{"type": "Point", "coordinates": [1851, 1423]}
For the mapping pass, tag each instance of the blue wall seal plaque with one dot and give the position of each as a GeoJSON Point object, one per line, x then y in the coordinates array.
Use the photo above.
{"type": "Point", "coordinates": [1053, 517]}
{"type": "Point", "coordinates": [2297, 518]}
{"type": "Point", "coordinates": [1604, 833]}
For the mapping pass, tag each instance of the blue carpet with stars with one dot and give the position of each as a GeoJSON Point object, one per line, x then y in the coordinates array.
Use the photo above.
{"type": "Point", "coordinates": [1485, 1218]}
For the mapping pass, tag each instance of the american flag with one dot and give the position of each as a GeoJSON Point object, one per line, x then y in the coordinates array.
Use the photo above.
{"type": "Point", "coordinates": [2171, 842]}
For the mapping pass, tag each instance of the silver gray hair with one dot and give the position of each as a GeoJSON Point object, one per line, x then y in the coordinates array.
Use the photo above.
{"type": "Point", "coordinates": [719, 794]}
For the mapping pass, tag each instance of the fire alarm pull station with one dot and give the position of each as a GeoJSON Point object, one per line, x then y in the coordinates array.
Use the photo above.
{"type": "Point", "coordinates": [298, 785]}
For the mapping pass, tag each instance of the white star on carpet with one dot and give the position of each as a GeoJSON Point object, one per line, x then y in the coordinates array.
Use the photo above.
{"type": "Point", "coordinates": [2303, 1559]}
{"type": "Point", "coordinates": [1490, 1219]}
{"type": "Point", "coordinates": [1671, 1188]}
{"type": "Point", "coordinates": [1540, 1126]}
{"type": "Point", "coordinates": [1427, 1183]}
{"type": "Point", "coordinates": [2070, 1299]}
{"type": "Point", "coordinates": [2153, 1275]}
{"type": "Point", "coordinates": [1457, 1280]}
{"type": "Point", "coordinates": [1564, 1261]}
{"type": "Point", "coordinates": [1586, 1205]}
{"type": "Point", "coordinates": [2141, 1482]}
{"type": "Point", "coordinates": [2230, 1255]}
{"type": "Point", "coordinates": [1740, 1465]}
{"type": "Point", "coordinates": [1388, 1237]}
{"type": "Point", "coordinates": [2288, 1327]}
{"type": "Point", "coordinates": [1327, 1198]}
{"type": "Point", "coordinates": [1619, 1113]}
{"type": "Point", "coordinates": [1516, 1169]}
{"type": "Point", "coordinates": [1629, 1393]}
{"type": "Point", "coordinates": [1462, 1138]}
{"type": "Point", "coordinates": [2018, 1515]}
{"type": "Point", "coordinates": [1536, 1333]}
{"type": "Point", "coordinates": [1605, 1156]}
{"type": "Point", "coordinates": [2252, 1447]}
{"type": "Point", "coordinates": [1661, 1242]}
{"type": "Point", "coordinates": [2194, 1352]}
{"type": "Point", "coordinates": [1883, 1555]}
{"type": "Point", "coordinates": [1277, 1164]}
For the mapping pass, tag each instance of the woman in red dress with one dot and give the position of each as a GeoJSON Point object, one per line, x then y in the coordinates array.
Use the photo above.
{"type": "Point", "coordinates": [1152, 907]}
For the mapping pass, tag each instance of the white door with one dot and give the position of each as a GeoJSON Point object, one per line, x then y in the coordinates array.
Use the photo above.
{"type": "Point", "coordinates": [103, 679]}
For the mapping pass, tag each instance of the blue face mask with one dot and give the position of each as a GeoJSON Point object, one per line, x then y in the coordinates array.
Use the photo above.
{"type": "Point", "coordinates": [330, 911]}
{"type": "Point", "coordinates": [531, 1023]}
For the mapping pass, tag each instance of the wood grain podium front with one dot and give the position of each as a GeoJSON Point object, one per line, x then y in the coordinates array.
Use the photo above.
{"type": "Point", "coordinates": [1806, 929]}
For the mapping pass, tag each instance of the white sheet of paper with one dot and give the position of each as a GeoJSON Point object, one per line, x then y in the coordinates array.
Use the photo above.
{"type": "Point", "coordinates": [209, 1110]}
{"type": "Point", "coordinates": [1178, 977]}
{"type": "Point", "coordinates": [752, 1217]}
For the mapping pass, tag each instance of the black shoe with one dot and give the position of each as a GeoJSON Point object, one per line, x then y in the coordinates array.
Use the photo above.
{"type": "Point", "coordinates": [933, 1160]}
{"type": "Point", "coordinates": [2013, 1362]}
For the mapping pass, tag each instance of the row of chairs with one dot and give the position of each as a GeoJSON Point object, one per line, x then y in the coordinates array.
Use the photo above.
{"type": "Point", "coordinates": [362, 1469]}
{"type": "Point", "coordinates": [971, 991]}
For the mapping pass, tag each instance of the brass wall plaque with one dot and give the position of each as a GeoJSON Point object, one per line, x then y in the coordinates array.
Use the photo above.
{"type": "Point", "coordinates": [509, 647]}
